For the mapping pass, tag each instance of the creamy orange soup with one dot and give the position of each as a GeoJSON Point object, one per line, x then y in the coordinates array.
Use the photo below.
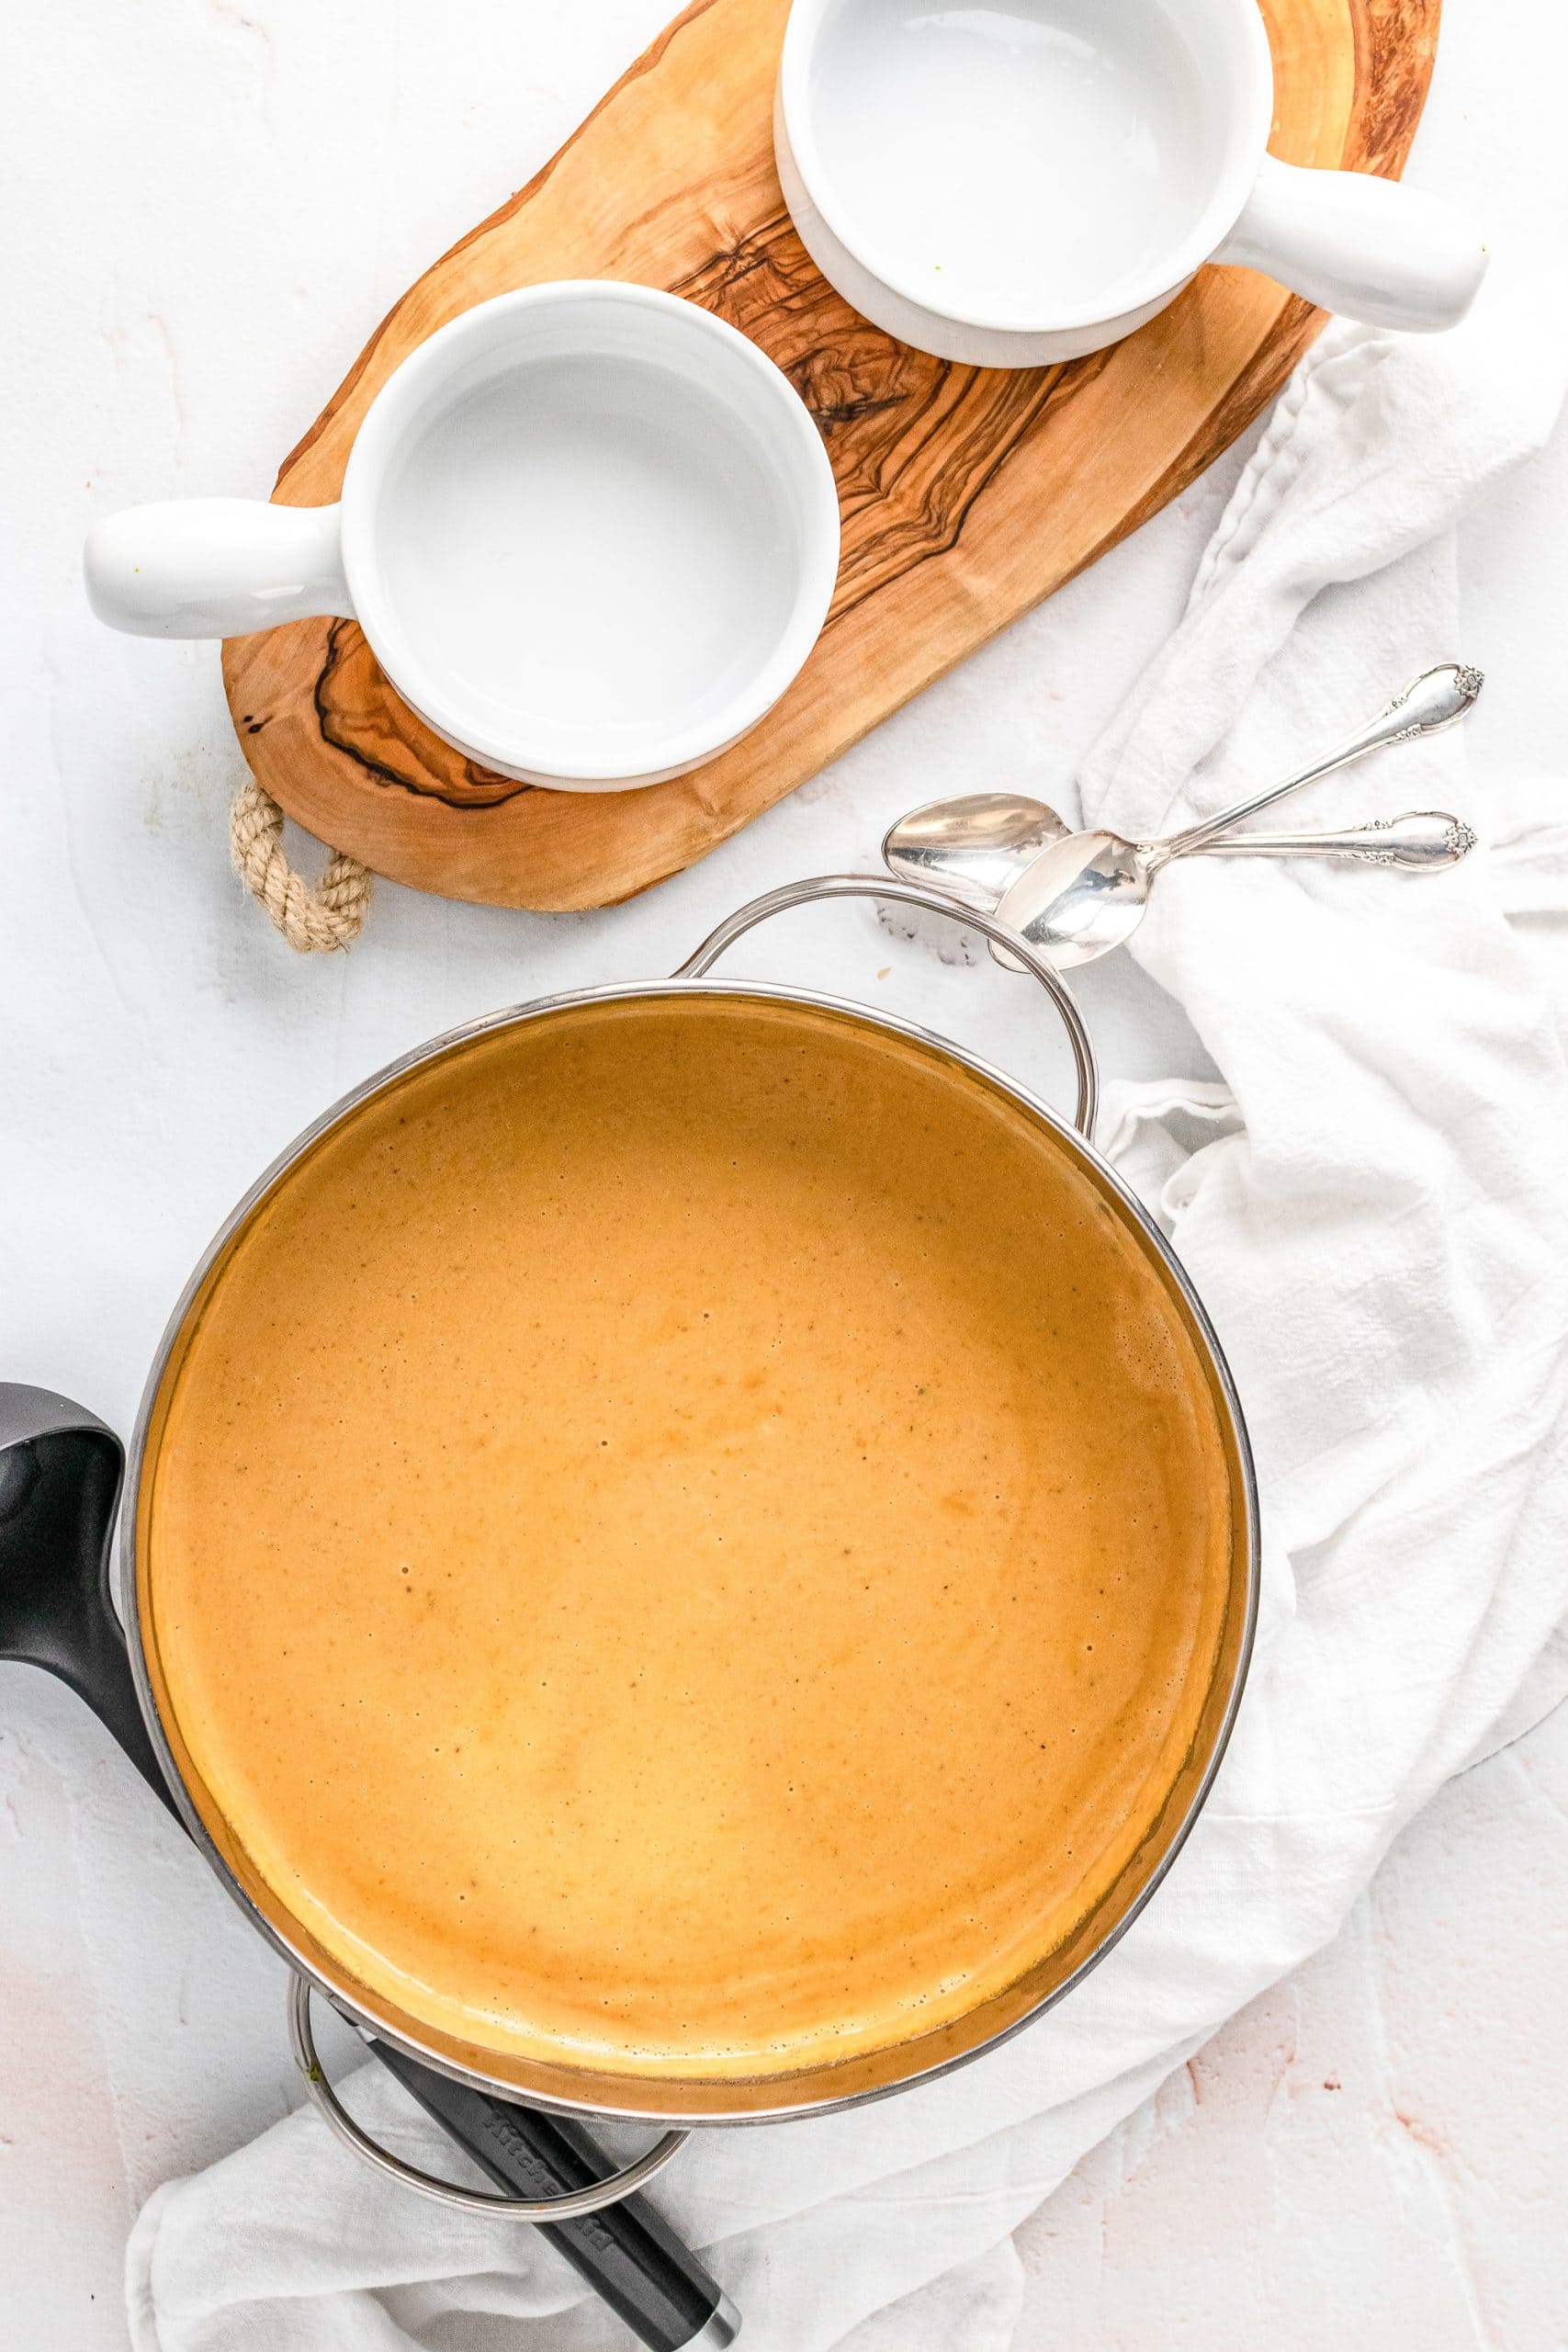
{"type": "Point", "coordinates": [686, 1538]}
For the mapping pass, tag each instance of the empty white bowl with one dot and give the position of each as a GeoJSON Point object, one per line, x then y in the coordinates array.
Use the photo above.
{"type": "Point", "coordinates": [1013, 183]}
{"type": "Point", "coordinates": [590, 531]}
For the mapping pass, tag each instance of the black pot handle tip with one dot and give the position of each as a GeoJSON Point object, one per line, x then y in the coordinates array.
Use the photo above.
{"type": "Point", "coordinates": [60, 1478]}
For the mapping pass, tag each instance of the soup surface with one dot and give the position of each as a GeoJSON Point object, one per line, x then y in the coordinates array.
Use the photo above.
{"type": "Point", "coordinates": [685, 1538]}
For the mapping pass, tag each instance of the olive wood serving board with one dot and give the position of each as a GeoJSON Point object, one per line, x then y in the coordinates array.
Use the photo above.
{"type": "Point", "coordinates": [967, 493]}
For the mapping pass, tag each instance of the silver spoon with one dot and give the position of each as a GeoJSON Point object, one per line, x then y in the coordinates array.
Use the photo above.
{"type": "Point", "coordinates": [1087, 893]}
{"type": "Point", "coordinates": [976, 848]}
{"type": "Point", "coordinates": [1421, 842]}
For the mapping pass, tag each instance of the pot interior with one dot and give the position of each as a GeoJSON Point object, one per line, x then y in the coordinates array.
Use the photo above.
{"type": "Point", "coordinates": [692, 1554]}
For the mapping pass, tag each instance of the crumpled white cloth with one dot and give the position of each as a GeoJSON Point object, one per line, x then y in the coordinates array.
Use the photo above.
{"type": "Point", "coordinates": [1374, 1204]}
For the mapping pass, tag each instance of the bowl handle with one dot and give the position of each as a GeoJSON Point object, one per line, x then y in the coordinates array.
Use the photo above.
{"type": "Point", "coordinates": [215, 567]}
{"type": "Point", "coordinates": [936, 902]}
{"type": "Point", "coordinates": [1367, 247]}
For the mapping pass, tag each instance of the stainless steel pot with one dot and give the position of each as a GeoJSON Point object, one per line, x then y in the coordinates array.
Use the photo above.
{"type": "Point", "coordinates": [677, 2105]}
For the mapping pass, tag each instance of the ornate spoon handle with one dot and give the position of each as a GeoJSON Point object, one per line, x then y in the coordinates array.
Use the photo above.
{"type": "Point", "coordinates": [1420, 842]}
{"type": "Point", "coordinates": [1431, 702]}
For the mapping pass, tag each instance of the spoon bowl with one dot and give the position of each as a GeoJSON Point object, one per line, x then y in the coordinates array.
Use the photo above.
{"type": "Point", "coordinates": [1080, 897]}
{"type": "Point", "coordinates": [974, 848]}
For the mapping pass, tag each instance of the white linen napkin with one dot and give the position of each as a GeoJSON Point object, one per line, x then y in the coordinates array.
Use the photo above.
{"type": "Point", "coordinates": [1374, 1204]}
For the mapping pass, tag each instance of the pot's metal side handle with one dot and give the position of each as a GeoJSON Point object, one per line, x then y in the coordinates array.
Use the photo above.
{"type": "Point", "coordinates": [569, 2205]}
{"type": "Point", "coordinates": [935, 902]}
{"type": "Point", "coordinates": [60, 1478]}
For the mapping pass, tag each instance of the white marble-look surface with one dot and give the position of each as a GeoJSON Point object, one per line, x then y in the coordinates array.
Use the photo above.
{"type": "Point", "coordinates": [208, 204]}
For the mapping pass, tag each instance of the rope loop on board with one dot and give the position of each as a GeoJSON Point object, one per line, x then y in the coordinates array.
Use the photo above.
{"type": "Point", "coordinates": [314, 918]}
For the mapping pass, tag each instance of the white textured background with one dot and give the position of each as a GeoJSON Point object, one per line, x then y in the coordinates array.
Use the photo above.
{"type": "Point", "coordinates": [208, 205]}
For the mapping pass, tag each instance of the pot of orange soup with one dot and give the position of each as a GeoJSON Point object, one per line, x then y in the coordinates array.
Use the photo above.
{"type": "Point", "coordinates": [694, 1550]}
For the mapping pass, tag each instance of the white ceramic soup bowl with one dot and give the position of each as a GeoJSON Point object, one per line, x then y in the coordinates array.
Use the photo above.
{"type": "Point", "coordinates": [1011, 182]}
{"type": "Point", "coordinates": [590, 531]}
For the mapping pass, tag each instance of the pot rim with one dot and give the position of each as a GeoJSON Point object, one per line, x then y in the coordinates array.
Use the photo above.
{"type": "Point", "coordinates": [434, 1049]}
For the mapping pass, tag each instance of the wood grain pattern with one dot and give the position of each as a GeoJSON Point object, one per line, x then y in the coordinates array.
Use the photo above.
{"type": "Point", "coordinates": [967, 494]}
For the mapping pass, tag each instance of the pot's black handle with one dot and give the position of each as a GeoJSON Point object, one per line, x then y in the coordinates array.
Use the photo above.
{"type": "Point", "coordinates": [60, 1475]}
{"type": "Point", "coordinates": [60, 1479]}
